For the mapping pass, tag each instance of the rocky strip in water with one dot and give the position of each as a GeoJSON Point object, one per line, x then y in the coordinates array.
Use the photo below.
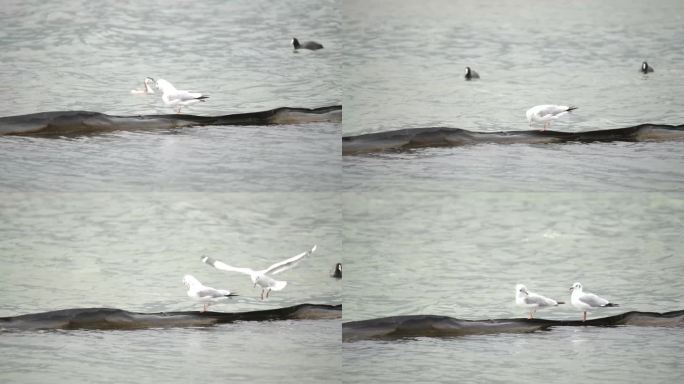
{"type": "Point", "coordinates": [397, 327]}
{"type": "Point", "coordinates": [109, 318]}
{"type": "Point", "coordinates": [411, 138]}
{"type": "Point", "coordinates": [84, 122]}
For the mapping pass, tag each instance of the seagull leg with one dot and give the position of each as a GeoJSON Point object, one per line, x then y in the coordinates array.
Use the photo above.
{"type": "Point", "coordinates": [205, 308]}
{"type": "Point", "coordinates": [268, 292]}
{"type": "Point", "coordinates": [585, 316]}
{"type": "Point", "coordinates": [262, 293]}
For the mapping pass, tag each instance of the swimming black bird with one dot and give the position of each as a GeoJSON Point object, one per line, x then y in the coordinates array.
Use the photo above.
{"type": "Point", "coordinates": [338, 271]}
{"type": "Point", "coordinates": [312, 45]}
{"type": "Point", "coordinates": [645, 68]}
{"type": "Point", "coordinates": [470, 74]}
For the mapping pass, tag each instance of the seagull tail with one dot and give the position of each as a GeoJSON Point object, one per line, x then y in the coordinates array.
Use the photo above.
{"type": "Point", "coordinates": [571, 108]}
{"type": "Point", "coordinates": [560, 302]}
{"type": "Point", "coordinates": [232, 294]}
{"type": "Point", "coordinates": [202, 97]}
{"type": "Point", "coordinates": [611, 305]}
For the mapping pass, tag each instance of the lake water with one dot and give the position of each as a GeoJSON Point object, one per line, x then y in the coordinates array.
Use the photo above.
{"type": "Point", "coordinates": [407, 71]}
{"type": "Point", "coordinates": [116, 220]}
{"type": "Point", "coordinates": [450, 231]}
{"type": "Point", "coordinates": [461, 255]}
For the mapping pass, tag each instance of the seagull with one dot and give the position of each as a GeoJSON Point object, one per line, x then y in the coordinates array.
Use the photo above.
{"type": "Point", "coordinates": [338, 271]}
{"type": "Point", "coordinates": [470, 74]}
{"type": "Point", "coordinates": [312, 45]}
{"type": "Point", "coordinates": [177, 98]}
{"type": "Point", "coordinates": [645, 68]}
{"type": "Point", "coordinates": [148, 83]}
{"type": "Point", "coordinates": [203, 293]}
{"type": "Point", "coordinates": [532, 301]}
{"type": "Point", "coordinates": [585, 301]}
{"type": "Point", "coordinates": [261, 277]}
{"type": "Point", "coordinates": [546, 113]}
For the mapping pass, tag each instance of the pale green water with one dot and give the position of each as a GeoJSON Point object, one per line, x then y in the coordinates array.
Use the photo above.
{"type": "Point", "coordinates": [461, 254]}
{"type": "Point", "coordinates": [116, 220]}
{"type": "Point", "coordinates": [131, 250]}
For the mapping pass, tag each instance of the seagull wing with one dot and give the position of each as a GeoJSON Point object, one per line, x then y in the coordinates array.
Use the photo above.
{"type": "Point", "coordinates": [539, 300]}
{"type": "Point", "coordinates": [225, 267]}
{"type": "Point", "coordinates": [208, 292]}
{"type": "Point", "coordinates": [552, 110]}
{"type": "Point", "coordinates": [593, 300]}
{"type": "Point", "coordinates": [183, 95]}
{"type": "Point", "coordinates": [289, 263]}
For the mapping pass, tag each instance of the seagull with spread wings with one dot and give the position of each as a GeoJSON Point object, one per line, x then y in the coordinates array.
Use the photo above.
{"type": "Point", "coordinates": [261, 277]}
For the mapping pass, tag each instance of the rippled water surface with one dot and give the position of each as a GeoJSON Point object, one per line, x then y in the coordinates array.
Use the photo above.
{"type": "Point", "coordinates": [407, 71]}
{"type": "Point", "coordinates": [461, 255]}
{"type": "Point", "coordinates": [116, 220]}
{"type": "Point", "coordinates": [130, 251]}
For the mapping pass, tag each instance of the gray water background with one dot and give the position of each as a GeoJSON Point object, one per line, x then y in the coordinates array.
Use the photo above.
{"type": "Point", "coordinates": [450, 231]}
{"type": "Point", "coordinates": [116, 220]}
{"type": "Point", "coordinates": [461, 255]}
{"type": "Point", "coordinates": [405, 69]}
{"type": "Point", "coordinates": [82, 55]}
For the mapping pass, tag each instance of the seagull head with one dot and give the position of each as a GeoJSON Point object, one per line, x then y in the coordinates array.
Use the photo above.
{"type": "Point", "coordinates": [338, 267]}
{"type": "Point", "coordinates": [576, 286]}
{"type": "Point", "coordinates": [521, 289]}
{"type": "Point", "coordinates": [295, 42]}
{"type": "Point", "coordinates": [644, 65]}
{"type": "Point", "coordinates": [149, 85]}
{"type": "Point", "coordinates": [190, 281]}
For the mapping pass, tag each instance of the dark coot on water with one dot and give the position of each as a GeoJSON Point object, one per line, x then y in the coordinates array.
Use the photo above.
{"type": "Point", "coordinates": [470, 74]}
{"type": "Point", "coordinates": [645, 68]}
{"type": "Point", "coordinates": [338, 271]}
{"type": "Point", "coordinates": [312, 45]}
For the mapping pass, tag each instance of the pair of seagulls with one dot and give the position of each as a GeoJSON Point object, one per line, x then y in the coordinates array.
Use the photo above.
{"type": "Point", "coordinates": [171, 96]}
{"type": "Point", "coordinates": [207, 295]}
{"type": "Point", "coordinates": [584, 301]}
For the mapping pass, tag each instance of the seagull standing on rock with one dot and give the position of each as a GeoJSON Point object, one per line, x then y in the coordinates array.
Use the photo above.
{"type": "Point", "coordinates": [177, 98]}
{"type": "Point", "coordinates": [546, 113]}
{"type": "Point", "coordinates": [532, 301]}
{"type": "Point", "coordinates": [205, 294]}
{"type": "Point", "coordinates": [585, 301]}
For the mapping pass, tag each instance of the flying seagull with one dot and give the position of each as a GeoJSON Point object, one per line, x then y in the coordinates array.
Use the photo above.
{"type": "Point", "coordinates": [261, 277]}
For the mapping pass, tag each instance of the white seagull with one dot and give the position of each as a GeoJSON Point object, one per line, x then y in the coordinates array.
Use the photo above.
{"type": "Point", "coordinates": [148, 85]}
{"type": "Point", "coordinates": [177, 98]}
{"type": "Point", "coordinates": [546, 113]}
{"type": "Point", "coordinates": [532, 301]}
{"type": "Point", "coordinates": [586, 301]}
{"type": "Point", "coordinates": [203, 293]}
{"type": "Point", "coordinates": [261, 277]}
